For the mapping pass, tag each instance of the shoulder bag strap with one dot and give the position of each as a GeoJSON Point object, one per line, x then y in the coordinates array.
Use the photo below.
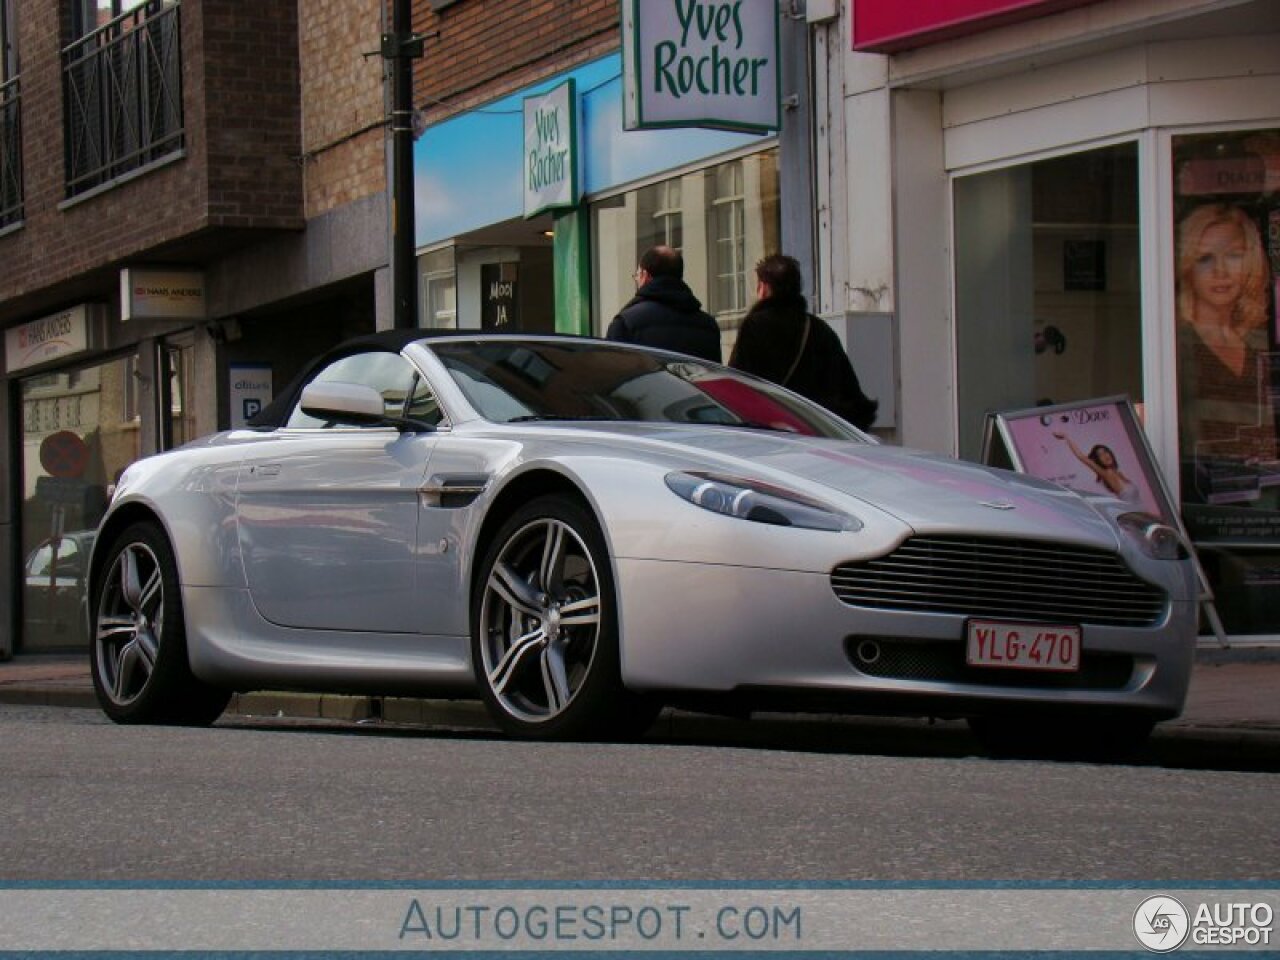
{"type": "Point", "coordinates": [804, 342]}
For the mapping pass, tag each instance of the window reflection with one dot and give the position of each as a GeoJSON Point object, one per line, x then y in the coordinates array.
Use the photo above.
{"type": "Point", "coordinates": [722, 219]}
{"type": "Point", "coordinates": [562, 381]}
{"type": "Point", "coordinates": [1048, 285]}
{"type": "Point", "coordinates": [76, 440]}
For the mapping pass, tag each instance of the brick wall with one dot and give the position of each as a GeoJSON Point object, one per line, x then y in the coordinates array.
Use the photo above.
{"type": "Point", "coordinates": [241, 169]}
{"type": "Point", "coordinates": [490, 48]}
{"type": "Point", "coordinates": [250, 70]}
{"type": "Point", "coordinates": [343, 133]}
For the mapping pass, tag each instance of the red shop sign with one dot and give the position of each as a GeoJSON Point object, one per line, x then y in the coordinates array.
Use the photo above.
{"type": "Point", "coordinates": [889, 25]}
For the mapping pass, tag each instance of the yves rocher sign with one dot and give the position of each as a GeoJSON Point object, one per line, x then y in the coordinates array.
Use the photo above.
{"type": "Point", "coordinates": [890, 25]}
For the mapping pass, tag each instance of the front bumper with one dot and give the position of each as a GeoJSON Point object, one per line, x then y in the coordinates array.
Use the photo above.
{"type": "Point", "coordinates": [784, 638]}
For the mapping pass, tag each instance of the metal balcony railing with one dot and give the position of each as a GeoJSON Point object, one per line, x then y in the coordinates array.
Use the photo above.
{"type": "Point", "coordinates": [10, 153]}
{"type": "Point", "coordinates": [123, 96]}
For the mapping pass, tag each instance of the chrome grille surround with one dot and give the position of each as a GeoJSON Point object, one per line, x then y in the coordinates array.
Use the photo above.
{"type": "Point", "coordinates": [1003, 579]}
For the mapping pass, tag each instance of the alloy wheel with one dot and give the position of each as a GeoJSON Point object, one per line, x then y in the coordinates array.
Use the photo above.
{"type": "Point", "coordinates": [540, 620]}
{"type": "Point", "coordinates": [130, 623]}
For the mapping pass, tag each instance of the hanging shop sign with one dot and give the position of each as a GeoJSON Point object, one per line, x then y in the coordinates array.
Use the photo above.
{"type": "Point", "coordinates": [890, 25]}
{"type": "Point", "coordinates": [500, 308]}
{"type": "Point", "coordinates": [53, 337]}
{"type": "Point", "coordinates": [147, 293]}
{"type": "Point", "coordinates": [249, 391]}
{"type": "Point", "coordinates": [695, 63]}
{"type": "Point", "coordinates": [551, 150]}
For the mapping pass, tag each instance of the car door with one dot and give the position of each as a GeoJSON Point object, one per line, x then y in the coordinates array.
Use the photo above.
{"type": "Point", "coordinates": [328, 514]}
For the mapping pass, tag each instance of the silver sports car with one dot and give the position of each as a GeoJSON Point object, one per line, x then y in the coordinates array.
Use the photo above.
{"type": "Point", "coordinates": [579, 532]}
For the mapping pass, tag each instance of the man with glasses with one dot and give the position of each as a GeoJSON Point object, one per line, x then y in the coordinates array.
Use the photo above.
{"type": "Point", "coordinates": [664, 313]}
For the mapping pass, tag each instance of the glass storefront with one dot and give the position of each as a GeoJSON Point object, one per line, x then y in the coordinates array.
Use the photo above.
{"type": "Point", "coordinates": [723, 219]}
{"type": "Point", "coordinates": [1048, 285]}
{"type": "Point", "coordinates": [1049, 307]}
{"type": "Point", "coordinates": [1226, 208]}
{"type": "Point", "coordinates": [79, 430]}
{"type": "Point", "coordinates": [438, 299]}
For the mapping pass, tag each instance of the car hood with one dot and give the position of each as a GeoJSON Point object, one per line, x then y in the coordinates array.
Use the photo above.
{"type": "Point", "coordinates": [931, 493]}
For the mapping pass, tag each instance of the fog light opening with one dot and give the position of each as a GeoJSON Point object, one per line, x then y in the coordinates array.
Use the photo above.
{"type": "Point", "coordinates": [868, 651]}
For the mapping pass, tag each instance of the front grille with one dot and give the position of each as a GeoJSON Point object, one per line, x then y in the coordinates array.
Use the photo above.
{"type": "Point", "coordinates": [944, 662]}
{"type": "Point", "coordinates": [1003, 579]}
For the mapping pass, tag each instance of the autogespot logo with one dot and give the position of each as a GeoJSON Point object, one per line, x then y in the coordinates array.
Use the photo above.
{"type": "Point", "coordinates": [1161, 924]}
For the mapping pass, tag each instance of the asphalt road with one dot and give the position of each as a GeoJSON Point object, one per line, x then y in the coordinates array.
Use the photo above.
{"type": "Point", "coordinates": [83, 799]}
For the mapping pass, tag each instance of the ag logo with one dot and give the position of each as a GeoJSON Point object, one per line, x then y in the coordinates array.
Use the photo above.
{"type": "Point", "coordinates": [1161, 924]}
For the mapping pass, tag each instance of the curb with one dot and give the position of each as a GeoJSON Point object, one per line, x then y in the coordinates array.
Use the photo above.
{"type": "Point", "coordinates": [1210, 744]}
{"type": "Point", "coordinates": [307, 706]}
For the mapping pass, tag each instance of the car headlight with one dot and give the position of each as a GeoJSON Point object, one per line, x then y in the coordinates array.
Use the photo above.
{"type": "Point", "coordinates": [759, 502]}
{"type": "Point", "coordinates": [1154, 537]}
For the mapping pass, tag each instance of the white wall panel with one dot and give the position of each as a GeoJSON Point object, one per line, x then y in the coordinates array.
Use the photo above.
{"type": "Point", "coordinates": [1050, 128]}
{"type": "Point", "coordinates": [922, 242]}
{"type": "Point", "coordinates": [1235, 100]}
{"type": "Point", "coordinates": [870, 202]}
{"type": "Point", "coordinates": [1060, 83]}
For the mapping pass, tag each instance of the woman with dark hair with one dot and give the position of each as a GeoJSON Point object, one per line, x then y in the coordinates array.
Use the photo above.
{"type": "Point", "coordinates": [1102, 461]}
{"type": "Point", "coordinates": [782, 341]}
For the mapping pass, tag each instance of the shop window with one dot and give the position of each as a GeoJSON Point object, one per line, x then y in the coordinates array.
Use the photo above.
{"type": "Point", "coordinates": [442, 302]}
{"type": "Point", "coordinates": [1048, 285]}
{"type": "Point", "coordinates": [1227, 261]}
{"type": "Point", "coordinates": [722, 218]}
{"type": "Point", "coordinates": [177, 414]}
{"type": "Point", "coordinates": [660, 212]}
{"type": "Point", "coordinates": [76, 441]}
{"type": "Point", "coordinates": [728, 248]}
{"type": "Point", "coordinates": [439, 289]}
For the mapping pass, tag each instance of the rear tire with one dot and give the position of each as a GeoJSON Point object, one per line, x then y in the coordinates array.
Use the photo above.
{"type": "Point", "coordinates": [138, 647]}
{"type": "Point", "coordinates": [544, 629]}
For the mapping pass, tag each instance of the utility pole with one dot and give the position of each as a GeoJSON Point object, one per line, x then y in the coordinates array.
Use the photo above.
{"type": "Point", "coordinates": [400, 48]}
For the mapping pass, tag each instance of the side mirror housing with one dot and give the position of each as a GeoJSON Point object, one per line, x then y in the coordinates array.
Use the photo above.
{"type": "Point", "coordinates": [348, 403]}
{"type": "Point", "coordinates": [353, 404]}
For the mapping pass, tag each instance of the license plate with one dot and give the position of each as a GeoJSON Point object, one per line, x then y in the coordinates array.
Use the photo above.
{"type": "Point", "coordinates": [1023, 646]}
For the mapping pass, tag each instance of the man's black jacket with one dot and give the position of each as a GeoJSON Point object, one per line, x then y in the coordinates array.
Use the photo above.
{"type": "Point", "coordinates": [665, 314]}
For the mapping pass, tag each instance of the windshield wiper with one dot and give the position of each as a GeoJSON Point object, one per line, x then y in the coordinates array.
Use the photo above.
{"type": "Point", "coordinates": [532, 417]}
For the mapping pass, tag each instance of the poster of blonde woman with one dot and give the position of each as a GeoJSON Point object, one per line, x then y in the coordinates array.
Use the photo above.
{"type": "Point", "coordinates": [1225, 357]}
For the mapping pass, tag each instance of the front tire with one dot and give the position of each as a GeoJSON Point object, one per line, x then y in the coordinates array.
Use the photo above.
{"type": "Point", "coordinates": [139, 647]}
{"type": "Point", "coordinates": [544, 635]}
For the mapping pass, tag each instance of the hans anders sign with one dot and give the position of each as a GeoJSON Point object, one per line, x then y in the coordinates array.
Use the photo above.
{"type": "Point", "coordinates": [551, 150]}
{"type": "Point", "coordinates": [164, 294]}
{"type": "Point", "coordinates": [50, 338]}
{"type": "Point", "coordinates": [699, 63]}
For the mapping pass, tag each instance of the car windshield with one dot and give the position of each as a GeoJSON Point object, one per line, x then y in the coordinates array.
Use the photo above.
{"type": "Point", "coordinates": [566, 380]}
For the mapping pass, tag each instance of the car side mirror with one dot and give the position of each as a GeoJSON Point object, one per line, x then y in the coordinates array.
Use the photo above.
{"type": "Point", "coordinates": [352, 404]}
{"type": "Point", "coordinates": [347, 403]}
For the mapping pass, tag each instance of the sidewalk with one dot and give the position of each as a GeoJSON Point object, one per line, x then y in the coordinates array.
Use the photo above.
{"type": "Point", "coordinates": [1234, 697]}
